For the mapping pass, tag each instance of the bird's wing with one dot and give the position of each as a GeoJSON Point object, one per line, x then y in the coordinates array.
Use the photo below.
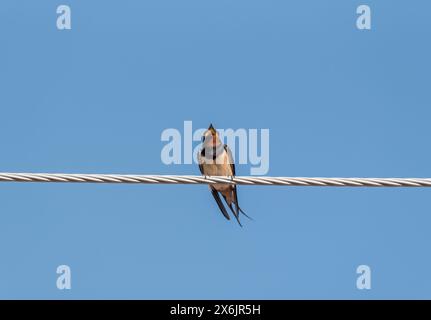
{"type": "Point", "coordinates": [235, 199]}
{"type": "Point", "coordinates": [201, 167]}
{"type": "Point", "coordinates": [230, 159]}
{"type": "Point", "coordinates": [235, 195]}
{"type": "Point", "coordinates": [219, 203]}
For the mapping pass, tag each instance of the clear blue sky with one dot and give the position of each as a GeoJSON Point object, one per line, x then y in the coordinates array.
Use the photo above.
{"type": "Point", "coordinates": [95, 99]}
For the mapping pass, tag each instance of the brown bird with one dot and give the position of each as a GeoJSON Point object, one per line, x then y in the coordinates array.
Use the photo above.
{"type": "Point", "coordinates": [215, 159]}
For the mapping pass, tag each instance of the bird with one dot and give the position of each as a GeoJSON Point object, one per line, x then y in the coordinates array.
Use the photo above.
{"type": "Point", "coordinates": [215, 159]}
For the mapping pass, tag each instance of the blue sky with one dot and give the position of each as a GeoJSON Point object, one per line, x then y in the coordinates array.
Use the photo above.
{"type": "Point", "coordinates": [95, 99]}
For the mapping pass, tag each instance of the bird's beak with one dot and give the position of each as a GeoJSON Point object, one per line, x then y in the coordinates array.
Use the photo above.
{"type": "Point", "coordinates": [212, 130]}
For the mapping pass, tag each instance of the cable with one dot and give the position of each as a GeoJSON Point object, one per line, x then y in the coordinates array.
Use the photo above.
{"type": "Point", "coordinates": [240, 180]}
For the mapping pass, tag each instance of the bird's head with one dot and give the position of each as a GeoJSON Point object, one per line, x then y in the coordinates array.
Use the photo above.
{"type": "Point", "coordinates": [210, 137]}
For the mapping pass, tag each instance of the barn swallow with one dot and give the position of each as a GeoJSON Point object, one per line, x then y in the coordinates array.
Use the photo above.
{"type": "Point", "coordinates": [215, 159]}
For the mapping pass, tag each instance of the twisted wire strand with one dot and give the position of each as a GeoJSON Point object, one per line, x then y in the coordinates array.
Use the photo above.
{"type": "Point", "coordinates": [192, 179]}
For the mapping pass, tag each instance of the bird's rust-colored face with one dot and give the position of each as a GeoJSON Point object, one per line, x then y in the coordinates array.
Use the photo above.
{"type": "Point", "coordinates": [210, 137]}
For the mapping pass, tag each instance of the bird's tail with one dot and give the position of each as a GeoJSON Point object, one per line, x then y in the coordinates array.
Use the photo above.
{"type": "Point", "coordinates": [240, 210]}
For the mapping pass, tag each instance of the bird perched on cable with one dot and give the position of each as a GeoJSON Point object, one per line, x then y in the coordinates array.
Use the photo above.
{"type": "Point", "coordinates": [215, 159]}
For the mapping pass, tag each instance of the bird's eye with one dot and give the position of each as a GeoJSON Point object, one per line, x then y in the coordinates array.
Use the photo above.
{"type": "Point", "coordinates": [203, 139]}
